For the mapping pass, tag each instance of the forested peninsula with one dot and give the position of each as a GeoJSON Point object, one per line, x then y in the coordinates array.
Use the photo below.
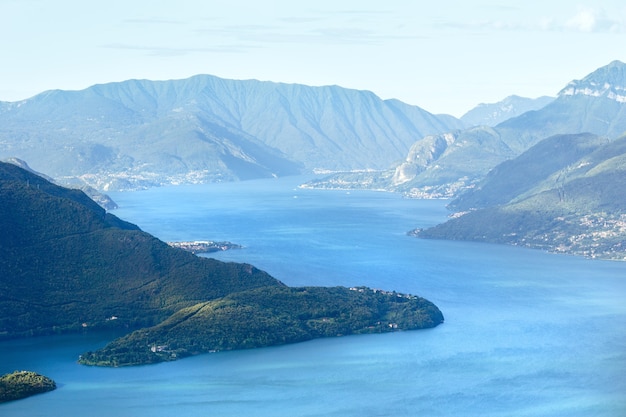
{"type": "Point", "coordinates": [102, 272]}
{"type": "Point", "coordinates": [266, 317]}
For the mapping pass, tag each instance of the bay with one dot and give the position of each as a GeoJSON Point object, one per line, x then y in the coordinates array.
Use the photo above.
{"type": "Point", "coordinates": [527, 333]}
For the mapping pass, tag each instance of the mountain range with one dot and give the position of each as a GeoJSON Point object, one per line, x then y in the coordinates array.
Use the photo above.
{"type": "Point", "coordinates": [551, 178]}
{"type": "Point", "coordinates": [67, 265]}
{"type": "Point", "coordinates": [141, 133]}
{"type": "Point", "coordinates": [444, 165]}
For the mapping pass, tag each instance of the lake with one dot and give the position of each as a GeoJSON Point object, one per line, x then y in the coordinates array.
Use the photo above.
{"type": "Point", "coordinates": [527, 333]}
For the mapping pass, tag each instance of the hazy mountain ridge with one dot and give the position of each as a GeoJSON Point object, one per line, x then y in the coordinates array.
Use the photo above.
{"type": "Point", "coordinates": [580, 107]}
{"type": "Point", "coordinates": [67, 265]}
{"type": "Point", "coordinates": [445, 165]}
{"type": "Point", "coordinates": [140, 133]}
{"type": "Point", "coordinates": [492, 114]}
{"type": "Point", "coordinates": [111, 145]}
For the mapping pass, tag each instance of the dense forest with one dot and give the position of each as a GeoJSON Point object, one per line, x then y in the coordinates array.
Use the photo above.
{"type": "Point", "coordinates": [22, 384]}
{"type": "Point", "coordinates": [66, 265]}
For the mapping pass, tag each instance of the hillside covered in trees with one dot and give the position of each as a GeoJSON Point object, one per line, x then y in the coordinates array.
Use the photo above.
{"type": "Point", "coordinates": [68, 265]}
{"type": "Point", "coordinates": [566, 194]}
{"type": "Point", "coordinates": [22, 384]}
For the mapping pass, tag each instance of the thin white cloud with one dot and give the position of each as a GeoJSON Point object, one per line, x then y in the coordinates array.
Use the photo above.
{"type": "Point", "coordinates": [299, 20]}
{"type": "Point", "coordinates": [164, 51]}
{"type": "Point", "coordinates": [314, 34]}
{"type": "Point", "coordinates": [154, 21]}
{"type": "Point", "coordinates": [583, 19]}
{"type": "Point", "coordinates": [588, 19]}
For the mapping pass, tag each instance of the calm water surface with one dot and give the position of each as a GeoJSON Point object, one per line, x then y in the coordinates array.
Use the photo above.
{"type": "Point", "coordinates": [526, 334]}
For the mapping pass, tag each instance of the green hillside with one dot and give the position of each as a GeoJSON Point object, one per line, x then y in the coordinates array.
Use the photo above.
{"type": "Point", "coordinates": [517, 176]}
{"type": "Point", "coordinates": [579, 208]}
{"type": "Point", "coordinates": [22, 384]}
{"type": "Point", "coordinates": [67, 265]}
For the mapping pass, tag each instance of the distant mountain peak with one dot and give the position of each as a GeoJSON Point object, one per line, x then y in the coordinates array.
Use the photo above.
{"type": "Point", "coordinates": [608, 81]}
{"type": "Point", "coordinates": [491, 114]}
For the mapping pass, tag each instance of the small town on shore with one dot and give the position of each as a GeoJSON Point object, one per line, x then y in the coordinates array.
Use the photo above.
{"type": "Point", "coordinates": [204, 246]}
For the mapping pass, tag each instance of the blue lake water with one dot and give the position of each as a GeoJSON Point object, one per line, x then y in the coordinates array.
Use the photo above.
{"type": "Point", "coordinates": [527, 333]}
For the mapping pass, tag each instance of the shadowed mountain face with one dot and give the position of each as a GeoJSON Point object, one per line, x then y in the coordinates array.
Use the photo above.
{"type": "Point", "coordinates": [64, 261]}
{"type": "Point", "coordinates": [142, 133]}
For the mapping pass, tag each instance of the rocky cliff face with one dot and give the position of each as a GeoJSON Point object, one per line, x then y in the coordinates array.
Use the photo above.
{"type": "Point", "coordinates": [608, 82]}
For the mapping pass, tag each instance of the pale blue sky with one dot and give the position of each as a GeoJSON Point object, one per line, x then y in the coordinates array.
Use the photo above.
{"type": "Point", "coordinates": [445, 56]}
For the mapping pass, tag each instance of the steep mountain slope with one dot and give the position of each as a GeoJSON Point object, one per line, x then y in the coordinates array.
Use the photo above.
{"type": "Point", "coordinates": [67, 265]}
{"type": "Point", "coordinates": [451, 160]}
{"type": "Point", "coordinates": [141, 133]}
{"type": "Point", "coordinates": [517, 176]}
{"type": "Point", "coordinates": [568, 205]}
{"type": "Point", "coordinates": [596, 104]}
{"type": "Point", "coordinates": [491, 114]}
{"type": "Point", "coordinates": [102, 199]}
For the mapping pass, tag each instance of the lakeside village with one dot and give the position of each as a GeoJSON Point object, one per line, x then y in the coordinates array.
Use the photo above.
{"type": "Point", "coordinates": [378, 291]}
{"type": "Point", "coordinates": [204, 246]}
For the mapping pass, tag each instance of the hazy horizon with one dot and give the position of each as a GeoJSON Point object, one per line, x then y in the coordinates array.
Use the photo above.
{"type": "Point", "coordinates": [445, 58]}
